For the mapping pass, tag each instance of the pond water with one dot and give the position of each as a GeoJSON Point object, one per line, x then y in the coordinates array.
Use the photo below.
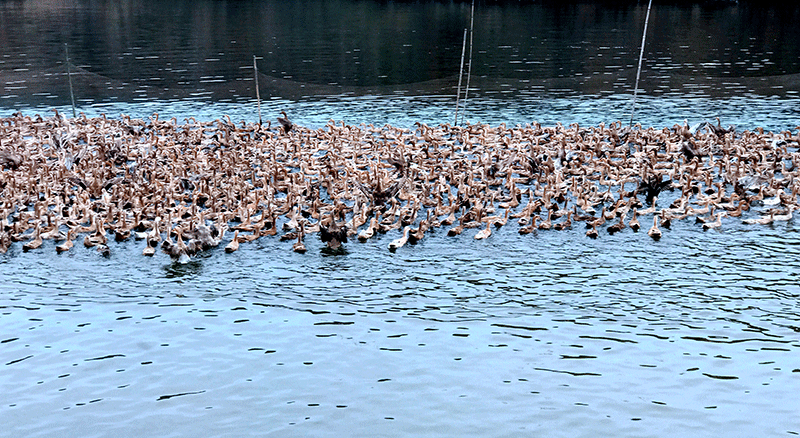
{"type": "Point", "coordinates": [548, 334]}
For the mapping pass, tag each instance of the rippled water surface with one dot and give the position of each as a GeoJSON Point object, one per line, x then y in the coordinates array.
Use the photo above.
{"type": "Point", "coordinates": [550, 333]}
{"type": "Point", "coordinates": [547, 334]}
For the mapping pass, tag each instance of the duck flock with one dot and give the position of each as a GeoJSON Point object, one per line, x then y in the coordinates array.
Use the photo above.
{"type": "Point", "coordinates": [192, 186]}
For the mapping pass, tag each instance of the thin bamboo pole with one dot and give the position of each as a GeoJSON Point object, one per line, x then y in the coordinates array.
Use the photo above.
{"type": "Point", "coordinates": [461, 73]}
{"type": "Point", "coordinates": [469, 68]}
{"type": "Point", "coordinates": [258, 93]}
{"type": "Point", "coordinates": [641, 56]}
{"type": "Point", "coordinates": [69, 77]}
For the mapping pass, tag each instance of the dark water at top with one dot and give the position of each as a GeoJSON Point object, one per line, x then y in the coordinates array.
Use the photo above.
{"type": "Point", "coordinates": [549, 334]}
{"type": "Point", "coordinates": [527, 57]}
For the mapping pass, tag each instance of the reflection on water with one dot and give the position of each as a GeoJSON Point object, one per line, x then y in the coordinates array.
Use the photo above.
{"type": "Point", "coordinates": [177, 270]}
{"type": "Point", "coordinates": [548, 334]}
{"type": "Point", "coordinates": [135, 51]}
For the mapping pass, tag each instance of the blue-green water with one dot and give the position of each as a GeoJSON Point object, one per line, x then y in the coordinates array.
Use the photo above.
{"type": "Point", "coordinates": [547, 334]}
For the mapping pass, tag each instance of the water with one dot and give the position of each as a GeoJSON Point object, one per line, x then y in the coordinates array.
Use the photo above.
{"type": "Point", "coordinates": [396, 62]}
{"type": "Point", "coordinates": [546, 334]}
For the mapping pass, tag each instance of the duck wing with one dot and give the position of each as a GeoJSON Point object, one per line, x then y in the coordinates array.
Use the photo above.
{"type": "Point", "coordinates": [342, 237]}
{"type": "Point", "coordinates": [384, 195]}
{"type": "Point", "coordinates": [325, 233]}
{"type": "Point", "coordinates": [366, 190]}
{"type": "Point", "coordinates": [328, 234]}
{"type": "Point", "coordinates": [653, 186]}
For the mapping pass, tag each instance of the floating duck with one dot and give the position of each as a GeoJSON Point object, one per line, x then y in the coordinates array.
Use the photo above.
{"type": "Point", "coordinates": [654, 232]}
{"type": "Point", "coordinates": [333, 234]}
{"type": "Point", "coordinates": [298, 246]}
{"type": "Point", "coordinates": [484, 232]}
{"type": "Point", "coordinates": [35, 242]}
{"type": "Point", "coordinates": [144, 176]}
{"type": "Point", "coordinates": [68, 243]}
{"type": "Point", "coordinates": [286, 124]}
{"type": "Point", "coordinates": [715, 224]}
{"type": "Point", "coordinates": [233, 245]}
{"type": "Point", "coordinates": [399, 242]}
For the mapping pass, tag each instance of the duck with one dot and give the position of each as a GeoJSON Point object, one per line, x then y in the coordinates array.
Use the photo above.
{"type": "Point", "coordinates": [180, 251]}
{"type": "Point", "coordinates": [202, 237]}
{"type": "Point", "coordinates": [762, 220]}
{"type": "Point", "coordinates": [286, 124]}
{"type": "Point", "coordinates": [154, 236]}
{"type": "Point", "coordinates": [743, 205]}
{"type": "Point", "coordinates": [455, 231]}
{"type": "Point", "coordinates": [233, 245]}
{"type": "Point", "coordinates": [246, 238]}
{"type": "Point", "coordinates": [654, 232]}
{"type": "Point", "coordinates": [419, 233]}
{"type": "Point", "coordinates": [498, 221]}
{"type": "Point", "coordinates": [122, 232]}
{"type": "Point", "coordinates": [702, 219]}
{"type": "Point", "coordinates": [400, 241]}
{"type": "Point", "coordinates": [618, 226]}
{"type": "Point", "coordinates": [547, 223]}
{"type": "Point", "coordinates": [378, 196]}
{"type": "Point", "coordinates": [298, 246]}
{"type": "Point", "coordinates": [785, 216]}
{"type": "Point", "coordinates": [149, 250]}
{"type": "Point", "coordinates": [527, 229]}
{"type": "Point", "coordinates": [666, 219]}
{"type": "Point", "coordinates": [715, 224]}
{"type": "Point", "coordinates": [451, 218]}
{"type": "Point", "coordinates": [5, 241]}
{"type": "Point", "coordinates": [367, 233]}
{"type": "Point", "coordinates": [166, 245]}
{"type": "Point", "coordinates": [292, 223]}
{"type": "Point", "coordinates": [774, 200]}
{"type": "Point", "coordinates": [35, 242]}
{"type": "Point", "coordinates": [68, 243]}
{"type": "Point", "coordinates": [596, 221]}
{"type": "Point", "coordinates": [484, 233]}
{"type": "Point", "coordinates": [634, 223]}
{"type": "Point", "coordinates": [333, 234]}
{"type": "Point", "coordinates": [99, 236]}
{"type": "Point", "coordinates": [54, 232]}
{"type": "Point", "coordinates": [271, 231]}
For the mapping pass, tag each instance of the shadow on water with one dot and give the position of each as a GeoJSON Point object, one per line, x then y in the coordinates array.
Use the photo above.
{"type": "Point", "coordinates": [179, 270]}
{"type": "Point", "coordinates": [328, 252]}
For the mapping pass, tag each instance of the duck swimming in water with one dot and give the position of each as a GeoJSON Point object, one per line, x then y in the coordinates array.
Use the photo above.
{"type": "Point", "coordinates": [298, 246]}
{"type": "Point", "coordinates": [654, 232]}
{"type": "Point", "coordinates": [763, 220]}
{"type": "Point", "coordinates": [149, 250]}
{"type": "Point", "coordinates": [366, 234]}
{"type": "Point", "coordinates": [397, 173]}
{"type": "Point", "coordinates": [179, 251]}
{"type": "Point", "coordinates": [286, 124]}
{"type": "Point", "coordinates": [484, 233]}
{"type": "Point", "coordinates": [618, 226]}
{"type": "Point", "coordinates": [5, 241]}
{"type": "Point", "coordinates": [233, 245]}
{"type": "Point", "coordinates": [36, 242]}
{"type": "Point", "coordinates": [400, 241]}
{"type": "Point", "coordinates": [634, 223]}
{"type": "Point", "coordinates": [715, 224]}
{"type": "Point", "coordinates": [68, 244]}
{"type": "Point", "coordinates": [333, 234]}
